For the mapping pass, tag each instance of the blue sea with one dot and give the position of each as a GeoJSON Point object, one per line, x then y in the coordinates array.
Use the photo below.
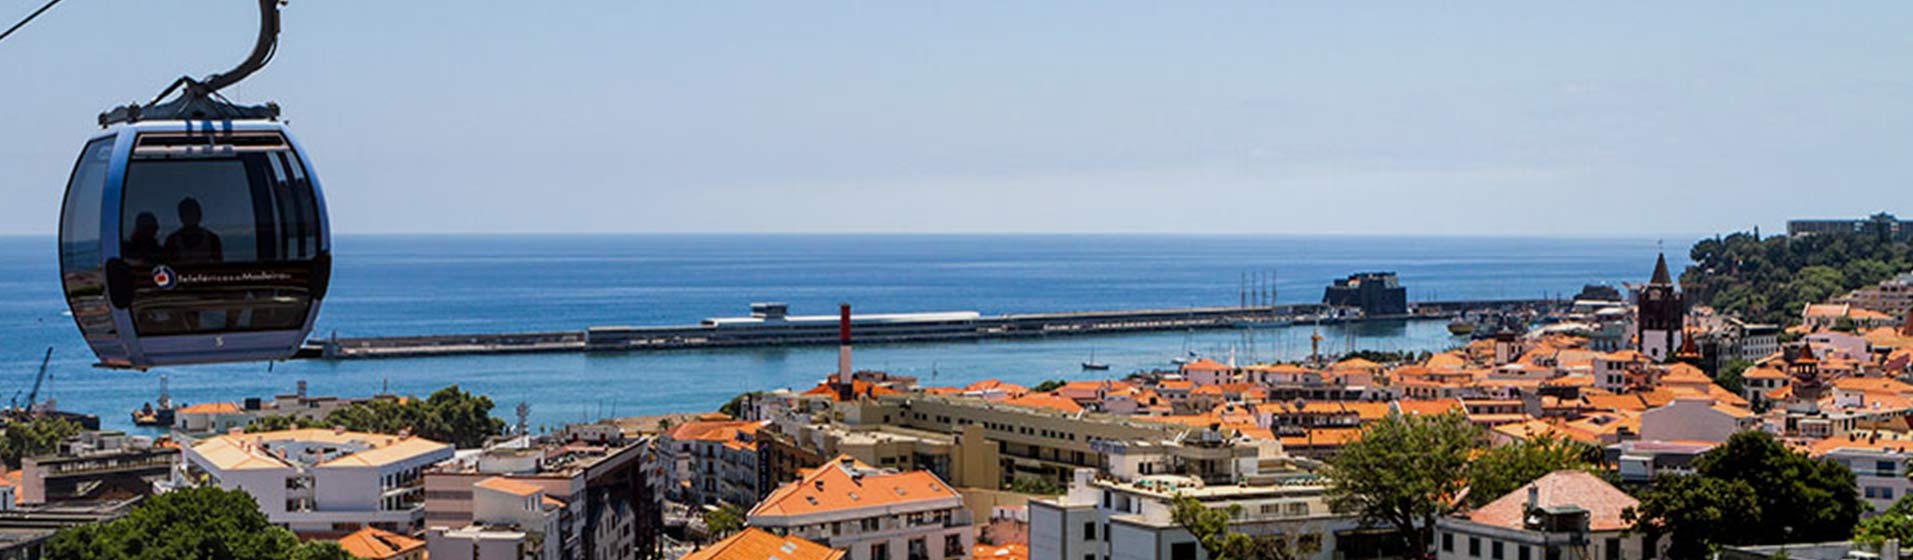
{"type": "Point", "coordinates": [400, 285]}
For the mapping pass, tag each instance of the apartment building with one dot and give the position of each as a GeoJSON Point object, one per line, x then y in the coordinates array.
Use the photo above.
{"type": "Point", "coordinates": [319, 482]}
{"type": "Point", "coordinates": [1131, 519]}
{"type": "Point", "coordinates": [1879, 463]}
{"type": "Point", "coordinates": [96, 467]}
{"type": "Point", "coordinates": [511, 520]}
{"type": "Point", "coordinates": [711, 462]}
{"type": "Point", "coordinates": [610, 505]}
{"type": "Point", "coordinates": [871, 513]}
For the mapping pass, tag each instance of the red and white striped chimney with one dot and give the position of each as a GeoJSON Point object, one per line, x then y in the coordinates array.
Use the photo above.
{"type": "Point", "coordinates": [843, 343]}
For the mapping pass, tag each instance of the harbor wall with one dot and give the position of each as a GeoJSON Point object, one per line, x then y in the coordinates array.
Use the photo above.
{"type": "Point", "coordinates": [771, 333]}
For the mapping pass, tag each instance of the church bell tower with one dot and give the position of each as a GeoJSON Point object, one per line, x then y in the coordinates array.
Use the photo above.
{"type": "Point", "coordinates": [1661, 313]}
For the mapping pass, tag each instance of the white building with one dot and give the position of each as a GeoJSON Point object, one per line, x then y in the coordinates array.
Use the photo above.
{"type": "Point", "coordinates": [1566, 514]}
{"type": "Point", "coordinates": [872, 514]}
{"type": "Point", "coordinates": [1879, 463]}
{"type": "Point", "coordinates": [320, 482]}
{"type": "Point", "coordinates": [1116, 520]}
{"type": "Point", "coordinates": [511, 520]}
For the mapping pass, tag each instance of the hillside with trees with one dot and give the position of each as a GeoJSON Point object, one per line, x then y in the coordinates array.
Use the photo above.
{"type": "Point", "coordinates": [1770, 280]}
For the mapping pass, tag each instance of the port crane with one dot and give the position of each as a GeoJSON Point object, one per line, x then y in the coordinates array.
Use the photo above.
{"type": "Point", "coordinates": [33, 397]}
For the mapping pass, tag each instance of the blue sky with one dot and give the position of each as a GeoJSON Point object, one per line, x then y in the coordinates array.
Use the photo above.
{"type": "Point", "coordinates": [1485, 118]}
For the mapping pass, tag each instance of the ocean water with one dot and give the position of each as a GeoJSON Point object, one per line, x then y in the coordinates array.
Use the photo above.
{"type": "Point", "coordinates": [398, 285]}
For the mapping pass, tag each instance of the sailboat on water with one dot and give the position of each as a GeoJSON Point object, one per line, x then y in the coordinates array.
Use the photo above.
{"type": "Point", "coordinates": [1092, 364]}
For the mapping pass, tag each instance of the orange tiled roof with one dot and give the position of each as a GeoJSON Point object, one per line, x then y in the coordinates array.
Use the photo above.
{"type": "Point", "coordinates": [1879, 441]}
{"type": "Point", "coordinates": [858, 388]}
{"type": "Point", "coordinates": [508, 486]}
{"type": "Point", "coordinates": [1324, 437]}
{"type": "Point", "coordinates": [211, 408]}
{"type": "Point", "coordinates": [1357, 363]}
{"type": "Point", "coordinates": [1873, 385]}
{"type": "Point", "coordinates": [1205, 364]}
{"type": "Point", "coordinates": [1446, 360]}
{"type": "Point", "coordinates": [1045, 400]}
{"type": "Point", "coordinates": [837, 486]}
{"type": "Point", "coordinates": [757, 544]}
{"type": "Point", "coordinates": [997, 385]}
{"type": "Point", "coordinates": [1436, 406]}
{"type": "Point", "coordinates": [1010, 551]}
{"type": "Point", "coordinates": [1603, 502]}
{"type": "Point", "coordinates": [378, 544]}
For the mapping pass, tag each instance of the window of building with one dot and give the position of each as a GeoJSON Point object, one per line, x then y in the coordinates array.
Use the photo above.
{"type": "Point", "coordinates": [1494, 550]}
{"type": "Point", "coordinates": [1886, 468]}
{"type": "Point", "coordinates": [1182, 551]}
{"type": "Point", "coordinates": [953, 546]}
{"type": "Point", "coordinates": [1524, 553]}
{"type": "Point", "coordinates": [880, 551]}
{"type": "Point", "coordinates": [1447, 542]}
{"type": "Point", "coordinates": [1089, 531]}
{"type": "Point", "coordinates": [919, 550]}
{"type": "Point", "coordinates": [1474, 546]}
{"type": "Point", "coordinates": [1612, 549]}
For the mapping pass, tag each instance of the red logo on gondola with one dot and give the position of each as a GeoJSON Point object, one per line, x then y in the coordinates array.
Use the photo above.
{"type": "Point", "coordinates": [164, 277]}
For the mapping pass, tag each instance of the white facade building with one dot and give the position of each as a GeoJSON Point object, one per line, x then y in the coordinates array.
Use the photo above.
{"type": "Point", "coordinates": [1879, 463]}
{"type": "Point", "coordinates": [321, 482]}
{"type": "Point", "coordinates": [511, 520]}
{"type": "Point", "coordinates": [1566, 514]}
{"type": "Point", "coordinates": [1113, 520]}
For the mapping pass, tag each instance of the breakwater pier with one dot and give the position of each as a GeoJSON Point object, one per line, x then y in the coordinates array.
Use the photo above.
{"type": "Point", "coordinates": [770, 324]}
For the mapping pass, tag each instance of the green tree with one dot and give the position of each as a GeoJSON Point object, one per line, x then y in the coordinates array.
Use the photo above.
{"type": "Point", "coordinates": [1751, 490]}
{"type": "Point", "coordinates": [1500, 470]}
{"type": "Point", "coordinates": [1697, 511]}
{"type": "Point", "coordinates": [735, 407]}
{"type": "Point", "coordinates": [194, 523]}
{"type": "Point", "coordinates": [38, 436]}
{"type": "Point", "coordinates": [1894, 523]}
{"type": "Point", "coordinates": [1730, 375]}
{"type": "Point", "coordinates": [1050, 385]}
{"type": "Point", "coordinates": [1770, 279]}
{"type": "Point", "coordinates": [1210, 526]}
{"type": "Point", "coordinates": [450, 415]}
{"type": "Point", "coordinates": [1405, 473]}
{"type": "Point", "coordinates": [1038, 486]}
{"type": "Point", "coordinates": [724, 520]}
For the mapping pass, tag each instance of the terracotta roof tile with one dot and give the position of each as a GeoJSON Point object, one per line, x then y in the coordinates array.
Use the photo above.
{"type": "Point", "coordinates": [378, 544]}
{"type": "Point", "coordinates": [757, 544]}
{"type": "Point", "coordinates": [837, 486]}
{"type": "Point", "coordinates": [1603, 502]}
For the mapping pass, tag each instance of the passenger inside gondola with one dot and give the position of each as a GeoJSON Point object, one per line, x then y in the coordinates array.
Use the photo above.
{"type": "Point", "coordinates": [143, 247]}
{"type": "Point", "coordinates": [192, 243]}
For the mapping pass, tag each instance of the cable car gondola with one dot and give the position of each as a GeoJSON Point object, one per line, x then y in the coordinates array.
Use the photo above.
{"type": "Point", "coordinates": [194, 231]}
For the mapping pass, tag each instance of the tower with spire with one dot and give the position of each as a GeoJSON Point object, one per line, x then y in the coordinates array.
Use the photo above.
{"type": "Point", "coordinates": [1661, 311]}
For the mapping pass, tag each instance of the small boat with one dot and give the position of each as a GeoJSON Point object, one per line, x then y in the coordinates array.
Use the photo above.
{"type": "Point", "coordinates": [1460, 327]}
{"type": "Point", "coordinates": [1092, 364]}
{"type": "Point", "coordinates": [148, 415]}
